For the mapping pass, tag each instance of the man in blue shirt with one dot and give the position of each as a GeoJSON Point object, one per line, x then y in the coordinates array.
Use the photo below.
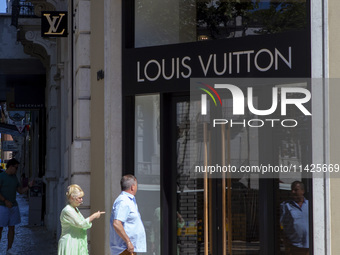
{"type": "Point", "coordinates": [127, 233]}
{"type": "Point", "coordinates": [9, 210]}
{"type": "Point", "coordinates": [294, 220]}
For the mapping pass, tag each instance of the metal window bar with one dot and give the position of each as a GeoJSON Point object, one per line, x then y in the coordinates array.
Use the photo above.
{"type": "Point", "coordinates": [21, 8]}
{"type": "Point", "coordinates": [26, 9]}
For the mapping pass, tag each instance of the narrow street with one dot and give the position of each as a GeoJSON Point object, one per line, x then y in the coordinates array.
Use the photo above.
{"type": "Point", "coordinates": [29, 240]}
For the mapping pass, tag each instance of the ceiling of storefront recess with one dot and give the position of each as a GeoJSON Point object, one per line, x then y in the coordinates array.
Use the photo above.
{"type": "Point", "coordinates": [14, 74]}
{"type": "Point", "coordinates": [15, 64]}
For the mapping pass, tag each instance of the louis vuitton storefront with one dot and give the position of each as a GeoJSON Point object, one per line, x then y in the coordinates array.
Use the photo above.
{"type": "Point", "coordinates": [165, 46]}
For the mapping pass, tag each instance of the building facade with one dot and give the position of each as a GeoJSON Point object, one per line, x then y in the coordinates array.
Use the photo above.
{"type": "Point", "coordinates": [118, 101]}
{"type": "Point", "coordinates": [158, 45]}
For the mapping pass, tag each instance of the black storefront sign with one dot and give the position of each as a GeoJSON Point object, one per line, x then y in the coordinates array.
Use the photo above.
{"type": "Point", "coordinates": [54, 24]}
{"type": "Point", "coordinates": [28, 92]}
{"type": "Point", "coordinates": [28, 97]}
{"type": "Point", "coordinates": [169, 68]}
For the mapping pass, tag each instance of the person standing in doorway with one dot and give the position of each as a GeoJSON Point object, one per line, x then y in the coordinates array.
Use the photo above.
{"type": "Point", "coordinates": [127, 233]}
{"type": "Point", "coordinates": [9, 209]}
{"type": "Point", "coordinates": [295, 221]}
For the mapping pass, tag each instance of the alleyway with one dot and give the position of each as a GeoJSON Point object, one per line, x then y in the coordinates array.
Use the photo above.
{"type": "Point", "coordinates": [29, 240]}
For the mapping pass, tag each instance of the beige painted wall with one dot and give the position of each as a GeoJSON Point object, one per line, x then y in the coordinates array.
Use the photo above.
{"type": "Point", "coordinates": [106, 116]}
{"type": "Point", "coordinates": [334, 120]}
{"type": "Point", "coordinates": [97, 232]}
{"type": "Point", "coordinates": [112, 107]}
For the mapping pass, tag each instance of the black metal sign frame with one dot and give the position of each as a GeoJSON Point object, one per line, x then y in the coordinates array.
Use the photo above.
{"type": "Point", "coordinates": [169, 68]}
{"type": "Point", "coordinates": [54, 24]}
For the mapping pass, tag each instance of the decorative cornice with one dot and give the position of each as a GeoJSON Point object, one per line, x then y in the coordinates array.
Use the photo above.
{"type": "Point", "coordinates": [43, 5]}
{"type": "Point", "coordinates": [37, 46]}
{"type": "Point", "coordinates": [54, 3]}
{"type": "Point", "coordinates": [36, 38]}
{"type": "Point", "coordinates": [36, 50]}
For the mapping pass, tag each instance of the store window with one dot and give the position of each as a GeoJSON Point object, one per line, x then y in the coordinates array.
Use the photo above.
{"type": "Point", "coordinates": [147, 167]}
{"type": "Point", "coordinates": [171, 22]}
{"type": "Point", "coordinates": [229, 214]}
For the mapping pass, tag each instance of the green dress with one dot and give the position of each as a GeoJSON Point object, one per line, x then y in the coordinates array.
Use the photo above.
{"type": "Point", "coordinates": [73, 239]}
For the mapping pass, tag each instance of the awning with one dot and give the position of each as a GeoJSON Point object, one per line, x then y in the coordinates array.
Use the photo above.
{"type": "Point", "coordinates": [9, 129]}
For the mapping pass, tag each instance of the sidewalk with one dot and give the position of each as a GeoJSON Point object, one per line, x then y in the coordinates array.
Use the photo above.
{"type": "Point", "coordinates": [29, 240]}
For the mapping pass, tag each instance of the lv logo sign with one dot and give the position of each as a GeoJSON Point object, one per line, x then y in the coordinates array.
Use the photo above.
{"type": "Point", "coordinates": [54, 24]}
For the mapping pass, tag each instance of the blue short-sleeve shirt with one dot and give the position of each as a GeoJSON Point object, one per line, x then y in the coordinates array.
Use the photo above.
{"type": "Point", "coordinates": [125, 209]}
{"type": "Point", "coordinates": [295, 222]}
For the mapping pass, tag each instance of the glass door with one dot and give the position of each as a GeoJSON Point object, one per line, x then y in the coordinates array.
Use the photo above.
{"type": "Point", "coordinates": [215, 215]}
{"type": "Point", "coordinates": [192, 217]}
{"type": "Point", "coordinates": [147, 167]}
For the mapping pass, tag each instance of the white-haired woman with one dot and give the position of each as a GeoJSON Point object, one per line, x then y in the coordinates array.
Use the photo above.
{"type": "Point", "coordinates": [73, 239]}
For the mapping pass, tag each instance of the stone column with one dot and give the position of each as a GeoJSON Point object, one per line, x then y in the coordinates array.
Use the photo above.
{"type": "Point", "coordinates": [80, 148]}
{"type": "Point", "coordinates": [112, 107]}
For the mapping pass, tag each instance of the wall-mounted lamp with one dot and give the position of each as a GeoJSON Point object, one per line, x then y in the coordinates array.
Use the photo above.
{"type": "Point", "coordinates": [100, 75]}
